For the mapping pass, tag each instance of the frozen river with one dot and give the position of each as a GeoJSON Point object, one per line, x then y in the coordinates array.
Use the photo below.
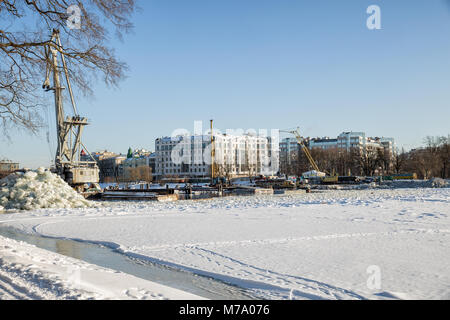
{"type": "Point", "coordinates": [327, 245]}
{"type": "Point", "coordinates": [109, 258]}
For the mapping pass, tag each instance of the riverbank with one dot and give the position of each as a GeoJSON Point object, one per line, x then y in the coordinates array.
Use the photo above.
{"type": "Point", "coordinates": [31, 273]}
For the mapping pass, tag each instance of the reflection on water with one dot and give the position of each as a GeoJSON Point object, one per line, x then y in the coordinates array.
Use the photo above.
{"type": "Point", "coordinates": [68, 249]}
{"type": "Point", "coordinates": [108, 258]}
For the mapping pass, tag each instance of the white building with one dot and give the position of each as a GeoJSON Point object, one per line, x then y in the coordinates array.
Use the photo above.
{"type": "Point", "coordinates": [288, 146]}
{"type": "Point", "coordinates": [235, 156]}
{"type": "Point", "coordinates": [359, 141]}
{"type": "Point", "coordinates": [389, 146]}
{"type": "Point", "coordinates": [352, 140]}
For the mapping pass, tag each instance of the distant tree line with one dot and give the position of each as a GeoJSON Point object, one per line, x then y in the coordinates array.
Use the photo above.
{"type": "Point", "coordinates": [431, 160]}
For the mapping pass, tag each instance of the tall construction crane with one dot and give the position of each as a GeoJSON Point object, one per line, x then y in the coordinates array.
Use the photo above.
{"type": "Point", "coordinates": [304, 148]}
{"type": "Point", "coordinates": [324, 177]}
{"type": "Point", "coordinates": [80, 174]}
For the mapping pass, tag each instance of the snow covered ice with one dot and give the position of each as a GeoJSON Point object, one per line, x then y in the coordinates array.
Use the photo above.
{"type": "Point", "coordinates": [36, 190]}
{"type": "Point", "coordinates": [306, 246]}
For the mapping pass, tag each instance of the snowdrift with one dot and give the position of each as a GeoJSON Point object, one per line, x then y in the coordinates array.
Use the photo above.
{"type": "Point", "coordinates": [399, 184]}
{"type": "Point", "coordinates": [38, 189]}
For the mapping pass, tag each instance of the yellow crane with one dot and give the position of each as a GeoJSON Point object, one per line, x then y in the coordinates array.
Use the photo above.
{"type": "Point", "coordinates": [327, 178]}
{"type": "Point", "coordinates": [301, 143]}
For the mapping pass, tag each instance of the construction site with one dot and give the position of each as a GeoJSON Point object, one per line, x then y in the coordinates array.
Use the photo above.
{"type": "Point", "coordinates": [222, 177]}
{"type": "Point", "coordinates": [338, 188]}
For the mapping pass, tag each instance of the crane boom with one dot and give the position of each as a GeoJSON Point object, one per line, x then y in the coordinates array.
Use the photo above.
{"type": "Point", "coordinates": [69, 165]}
{"type": "Point", "coordinates": [304, 148]}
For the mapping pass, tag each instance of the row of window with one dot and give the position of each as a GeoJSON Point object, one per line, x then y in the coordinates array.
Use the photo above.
{"type": "Point", "coordinates": [173, 171]}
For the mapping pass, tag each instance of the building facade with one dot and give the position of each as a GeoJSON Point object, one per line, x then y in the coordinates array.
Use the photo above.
{"type": "Point", "coordinates": [322, 143]}
{"type": "Point", "coordinates": [234, 156]}
{"type": "Point", "coordinates": [352, 141]}
{"type": "Point", "coordinates": [288, 146]}
{"type": "Point", "coordinates": [358, 146]}
{"type": "Point", "coordinates": [140, 167]}
{"type": "Point", "coordinates": [111, 168]}
{"type": "Point", "coordinates": [8, 166]}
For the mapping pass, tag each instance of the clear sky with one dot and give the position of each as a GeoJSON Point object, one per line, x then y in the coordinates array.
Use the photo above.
{"type": "Point", "coordinates": [267, 64]}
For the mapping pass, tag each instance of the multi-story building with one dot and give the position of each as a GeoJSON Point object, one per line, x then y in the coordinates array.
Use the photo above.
{"type": "Point", "coordinates": [389, 146]}
{"type": "Point", "coordinates": [7, 167]}
{"type": "Point", "coordinates": [110, 168]}
{"type": "Point", "coordinates": [289, 149]}
{"type": "Point", "coordinates": [352, 141]}
{"type": "Point", "coordinates": [349, 141]}
{"type": "Point", "coordinates": [139, 167]}
{"type": "Point", "coordinates": [235, 156]}
{"type": "Point", "coordinates": [288, 146]}
{"type": "Point", "coordinates": [360, 142]}
{"type": "Point", "coordinates": [322, 143]}
{"type": "Point", "coordinates": [246, 155]}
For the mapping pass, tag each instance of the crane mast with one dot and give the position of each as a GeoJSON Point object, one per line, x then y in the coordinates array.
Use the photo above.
{"type": "Point", "coordinates": [326, 178]}
{"type": "Point", "coordinates": [77, 172]}
{"type": "Point", "coordinates": [304, 148]}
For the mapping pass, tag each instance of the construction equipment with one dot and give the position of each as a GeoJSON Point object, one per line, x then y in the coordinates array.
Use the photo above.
{"type": "Point", "coordinates": [275, 183]}
{"type": "Point", "coordinates": [82, 175]}
{"type": "Point", "coordinates": [322, 176]}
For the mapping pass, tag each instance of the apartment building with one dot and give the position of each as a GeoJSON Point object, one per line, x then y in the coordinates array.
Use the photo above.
{"type": "Point", "coordinates": [235, 156]}
{"type": "Point", "coordinates": [322, 143]}
{"type": "Point", "coordinates": [359, 141]}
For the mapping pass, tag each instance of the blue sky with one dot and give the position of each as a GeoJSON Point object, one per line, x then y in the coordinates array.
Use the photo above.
{"type": "Point", "coordinates": [268, 64]}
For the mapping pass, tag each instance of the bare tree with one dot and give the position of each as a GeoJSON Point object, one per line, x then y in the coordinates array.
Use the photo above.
{"type": "Point", "coordinates": [145, 174]}
{"type": "Point", "coordinates": [432, 155]}
{"type": "Point", "coordinates": [400, 161]}
{"type": "Point", "coordinates": [432, 160]}
{"type": "Point", "coordinates": [368, 160]}
{"type": "Point", "coordinates": [23, 57]}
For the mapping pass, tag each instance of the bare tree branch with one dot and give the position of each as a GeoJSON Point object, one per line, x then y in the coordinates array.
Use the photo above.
{"type": "Point", "coordinates": [22, 53]}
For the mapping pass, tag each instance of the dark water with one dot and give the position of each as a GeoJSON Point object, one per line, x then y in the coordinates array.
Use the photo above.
{"type": "Point", "coordinates": [109, 258]}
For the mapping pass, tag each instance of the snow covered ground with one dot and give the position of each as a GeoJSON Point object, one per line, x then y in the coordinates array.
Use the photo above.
{"type": "Point", "coordinates": [27, 272]}
{"type": "Point", "coordinates": [353, 244]}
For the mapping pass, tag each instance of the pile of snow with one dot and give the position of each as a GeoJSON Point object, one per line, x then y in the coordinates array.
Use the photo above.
{"type": "Point", "coordinates": [432, 183]}
{"type": "Point", "coordinates": [366, 186]}
{"type": "Point", "coordinates": [397, 184]}
{"type": "Point", "coordinates": [38, 189]}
